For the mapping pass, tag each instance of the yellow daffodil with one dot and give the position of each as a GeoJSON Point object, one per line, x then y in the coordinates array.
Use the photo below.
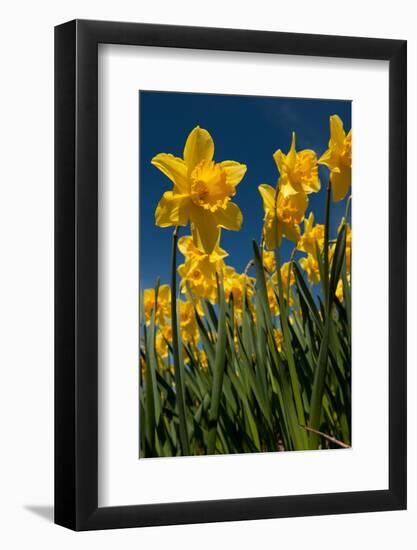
{"type": "Point", "coordinates": [161, 345]}
{"type": "Point", "coordinates": [202, 359]}
{"type": "Point", "coordinates": [162, 338]}
{"type": "Point", "coordinates": [286, 284]}
{"type": "Point", "coordinates": [348, 243]}
{"type": "Point", "coordinates": [340, 289]}
{"type": "Point", "coordinates": [188, 323]}
{"type": "Point", "coordinates": [202, 190]}
{"type": "Point", "coordinates": [164, 303]}
{"type": "Point", "coordinates": [312, 234]}
{"type": "Point", "coordinates": [298, 170]}
{"type": "Point", "coordinates": [268, 258]}
{"type": "Point", "coordinates": [311, 266]}
{"type": "Point", "coordinates": [338, 158]}
{"type": "Point", "coordinates": [237, 285]}
{"type": "Point", "coordinates": [313, 238]}
{"type": "Point", "coordinates": [279, 338]}
{"type": "Point", "coordinates": [236, 339]}
{"type": "Point", "coordinates": [167, 332]}
{"type": "Point", "coordinates": [142, 365]}
{"type": "Point", "coordinates": [272, 297]}
{"type": "Point", "coordinates": [287, 211]}
{"type": "Point", "coordinates": [198, 273]}
{"type": "Point", "coordinates": [348, 248]}
{"type": "Point", "coordinates": [285, 271]}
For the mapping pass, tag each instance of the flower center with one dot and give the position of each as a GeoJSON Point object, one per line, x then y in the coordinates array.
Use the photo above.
{"type": "Point", "coordinates": [209, 187]}
{"type": "Point", "coordinates": [196, 274]}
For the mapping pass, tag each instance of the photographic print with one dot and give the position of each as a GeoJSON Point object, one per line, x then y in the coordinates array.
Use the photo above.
{"type": "Point", "coordinates": [245, 274]}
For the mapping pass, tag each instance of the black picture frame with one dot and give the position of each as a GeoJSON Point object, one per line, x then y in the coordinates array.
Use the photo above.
{"type": "Point", "coordinates": [76, 271]}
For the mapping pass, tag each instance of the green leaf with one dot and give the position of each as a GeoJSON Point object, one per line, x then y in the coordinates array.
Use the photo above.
{"type": "Point", "coordinates": [218, 374]}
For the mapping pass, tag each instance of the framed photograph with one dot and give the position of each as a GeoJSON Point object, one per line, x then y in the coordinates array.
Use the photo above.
{"type": "Point", "coordinates": [230, 247]}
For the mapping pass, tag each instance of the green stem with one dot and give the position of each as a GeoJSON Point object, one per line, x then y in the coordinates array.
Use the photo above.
{"type": "Point", "coordinates": [175, 348]}
{"type": "Point", "coordinates": [318, 386]}
{"type": "Point", "coordinates": [288, 348]}
{"type": "Point", "coordinates": [322, 360]}
{"type": "Point", "coordinates": [286, 333]}
{"type": "Point", "coordinates": [218, 376]}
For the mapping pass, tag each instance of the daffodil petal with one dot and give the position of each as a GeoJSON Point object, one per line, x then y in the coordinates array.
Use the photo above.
{"type": "Point", "coordinates": [220, 253]}
{"type": "Point", "coordinates": [340, 183]}
{"type": "Point", "coordinates": [327, 159]}
{"type": "Point", "coordinates": [206, 231]}
{"type": "Point", "coordinates": [291, 231]}
{"type": "Point", "coordinates": [199, 146]}
{"type": "Point", "coordinates": [279, 159]}
{"type": "Point", "coordinates": [164, 293]}
{"type": "Point", "coordinates": [292, 155]}
{"type": "Point", "coordinates": [308, 223]}
{"type": "Point", "coordinates": [268, 196]}
{"type": "Point", "coordinates": [288, 190]}
{"type": "Point", "coordinates": [271, 233]}
{"type": "Point", "coordinates": [173, 168]}
{"type": "Point", "coordinates": [310, 265]}
{"type": "Point", "coordinates": [337, 133]}
{"type": "Point", "coordinates": [172, 210]}
{"type": "Point", "coordinates": [234, 171]}
{"type": "Point", "coordinates": [230, 217]}
{"type": "Point", "coordinates": [185, 244]}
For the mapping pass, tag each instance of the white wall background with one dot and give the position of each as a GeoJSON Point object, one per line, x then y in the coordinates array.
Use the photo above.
{"type": "Point", "coordinates": [26, 274]}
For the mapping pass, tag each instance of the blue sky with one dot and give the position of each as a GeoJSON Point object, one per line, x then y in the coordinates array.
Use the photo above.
{"type": "Point", "coordinates": [244, 128]}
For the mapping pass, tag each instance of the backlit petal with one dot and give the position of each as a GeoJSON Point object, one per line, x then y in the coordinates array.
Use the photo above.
{"type": "Point", "coordinates": [308, 223]}
{"type": "Point", "coordinates": [164, 293]}
{"type": "Point", "coordinates": [288, 190]}
{"type": "Point", "coordinates": [205, 229]}
{"type": "Point", "coordinates": [327, 159]}
{"type": "Point", "coordinates": [174, 168]}
{"type": "Point", "coordinates": [279, 158]}
{"type": "Point", "coordinates": [234, 171]}
{"type": "Point", "coordinates": [172, 210]}
{"type": "Point", "coordinates": [291, 231]}
{"type": "Point", "coordinates": [230, 218]}
{"type": "Point", "coordinates": [268, 196]}
{"type": "Point", "coordinates": [186, 245]}
{"type": "Point", "coordinates": [337, 133]}
{"type": "Point", "coordinates": [271, 233]}
{"type": "Point", "coordinates": [340, 183]}
{"type": "Point", "coordinates": [292, 155]}
{"type": "Point", "coordinates": [199, 146]}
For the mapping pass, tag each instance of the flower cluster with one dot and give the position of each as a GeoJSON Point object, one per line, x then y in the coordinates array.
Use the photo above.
{"type": "Point", "coordinates": [201, 198]}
